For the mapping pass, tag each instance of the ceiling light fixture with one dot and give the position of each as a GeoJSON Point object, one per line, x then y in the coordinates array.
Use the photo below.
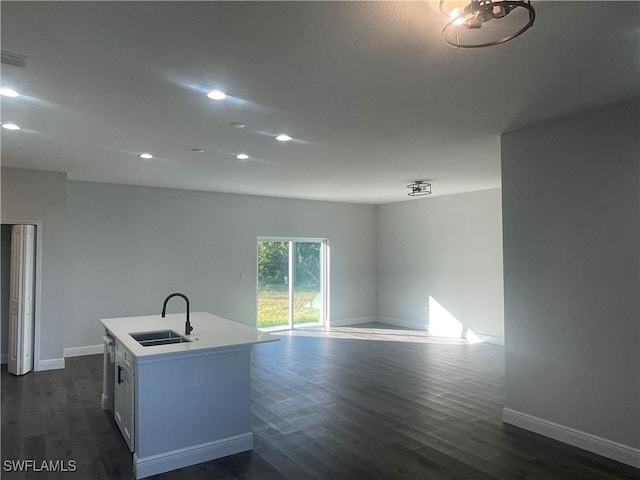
{"type": "Point", "coordinates": [478, 12]}
{"type": "Point", "coordinates": [242, 156]}
{"type": "Point", "coordinates": [283, 137]}
{"type": "Point", "coordinates": [216, 95]}
{"type": "Point", "coordinates": [146, 156]}
{"type": "Point", "coordinates": [419, 188]}
{"type": "Point", "coordinates": [237, 124]}
{"type": "Point", "coordinates": [10, 126]}
{"type": "Point", "coordinates": [9, 92]}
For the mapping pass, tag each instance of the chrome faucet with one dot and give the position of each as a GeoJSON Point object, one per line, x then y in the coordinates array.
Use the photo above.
{"type": "Point", "coordinates": [187, 326]}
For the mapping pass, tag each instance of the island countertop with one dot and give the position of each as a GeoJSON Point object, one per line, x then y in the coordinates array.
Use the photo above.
{"type": "Point", "coordinates": [209, 332]}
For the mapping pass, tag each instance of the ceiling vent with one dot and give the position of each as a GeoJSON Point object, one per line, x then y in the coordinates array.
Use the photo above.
{"type": "Point", "coordinates": [14, 59]}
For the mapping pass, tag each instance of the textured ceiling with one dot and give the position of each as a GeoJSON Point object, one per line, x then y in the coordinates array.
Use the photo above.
{"type": "Point", "coordinates": [371, 94]}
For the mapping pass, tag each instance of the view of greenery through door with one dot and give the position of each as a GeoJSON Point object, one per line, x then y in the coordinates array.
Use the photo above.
{"type": "Point", "coordinates": [283, 301]}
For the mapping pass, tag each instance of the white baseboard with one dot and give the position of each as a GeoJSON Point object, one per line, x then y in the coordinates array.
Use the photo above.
{"type": "Point", "coordinates": [106, 402]}
{"type": "Point", "coordinates": [577, 438]}
{"type": "Point", "coordinates": [52, 364]}
{"type": "Point", "coordinates": [81, 351]}
{"type": "Point", "coordinates": [491, 339]}
{"type": "Point", "coordinates": [58, 363]}
{"type": "Point", "coordinates": [344, 322]}
{"type": "Point", "coordinates": [422, 327]}
{"type": "Point", "coordinates": [403, 323]}
{"type": "Point", "coordinates": [167, 461]}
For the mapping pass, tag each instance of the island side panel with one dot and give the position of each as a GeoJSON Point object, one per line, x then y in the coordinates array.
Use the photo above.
{"type": "Point", "coordinates": [183, 403]}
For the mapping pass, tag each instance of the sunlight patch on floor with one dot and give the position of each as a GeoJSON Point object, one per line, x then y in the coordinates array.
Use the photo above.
{"type": "Point", "coordinates": [376, 334]}
{"type": "Point", "coordinates": [443, 324]}
{"type": "Point", "coordinates": [442, 328]}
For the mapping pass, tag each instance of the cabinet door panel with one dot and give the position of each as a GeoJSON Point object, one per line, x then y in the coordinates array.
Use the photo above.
{"type": "Point", "coordinates": [123, 402]}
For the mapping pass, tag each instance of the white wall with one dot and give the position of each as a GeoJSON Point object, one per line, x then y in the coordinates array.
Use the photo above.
{"type": "Point", "coordinates": [129, 247]}
{"type": "Point", "coordinates": [29, 195]}
{"type": "Point", "coordinates": [571, 216]}
{"type": "Point", "coordinates": [448, 248]}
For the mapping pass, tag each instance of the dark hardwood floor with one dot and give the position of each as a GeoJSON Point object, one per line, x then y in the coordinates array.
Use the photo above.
{"type": "Point", "coordinates": [361, 406]}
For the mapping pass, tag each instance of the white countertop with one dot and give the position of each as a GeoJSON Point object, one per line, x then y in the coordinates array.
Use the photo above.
{"type": "Point", "coordinates": [209, 332]}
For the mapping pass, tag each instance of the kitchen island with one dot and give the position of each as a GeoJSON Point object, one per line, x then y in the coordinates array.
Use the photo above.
{"type": "Point", "coordinates": [180, 399]}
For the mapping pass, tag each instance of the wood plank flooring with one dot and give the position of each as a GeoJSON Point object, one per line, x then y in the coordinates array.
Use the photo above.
{"type": "Point", "coordinates": [360, 406]}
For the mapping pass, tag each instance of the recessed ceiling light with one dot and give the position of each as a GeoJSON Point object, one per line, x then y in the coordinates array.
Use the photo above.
{"type": "Point", "coordinates": [237, 124]}
{"type": "Point", "coordinates": [197, 150]}
{"type": "Point", "coordinates": [242, 156]}
{"type": "Point", "coordinates": [283, 137]}
{"type": "Point", "coordinates": [8, 92]}
{"type": "Point", "coordinates": [146, 156]}
{"type": "Point", "coordinates": [216, 95]}
{"type": "Point", "coordinates": [10, 126]}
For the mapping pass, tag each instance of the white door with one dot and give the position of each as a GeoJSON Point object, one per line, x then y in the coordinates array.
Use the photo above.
{"type": "Point", "coordinates": [21, 305]}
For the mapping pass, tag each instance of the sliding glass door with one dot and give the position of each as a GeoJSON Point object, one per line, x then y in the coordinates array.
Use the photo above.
{"type": "Point", "coordinates": [273, 284]}
{"type": "Point", "coordinates": [292, 276]}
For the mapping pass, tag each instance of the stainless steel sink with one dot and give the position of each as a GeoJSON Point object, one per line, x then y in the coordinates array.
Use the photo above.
{"type": "Point", "coordinates": [158, 337]}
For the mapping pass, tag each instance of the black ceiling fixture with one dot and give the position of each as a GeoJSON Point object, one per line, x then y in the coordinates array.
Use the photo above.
{"type": "Point", "coordinates": [419, 188]}
{"type": "Point", "coordinates": [479, 12]}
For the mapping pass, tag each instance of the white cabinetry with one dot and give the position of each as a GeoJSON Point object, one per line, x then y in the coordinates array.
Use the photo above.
{"type": "Point", "coordinates": [184, 403]}
{"type": "Point", "coordinates": [124, 394]}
